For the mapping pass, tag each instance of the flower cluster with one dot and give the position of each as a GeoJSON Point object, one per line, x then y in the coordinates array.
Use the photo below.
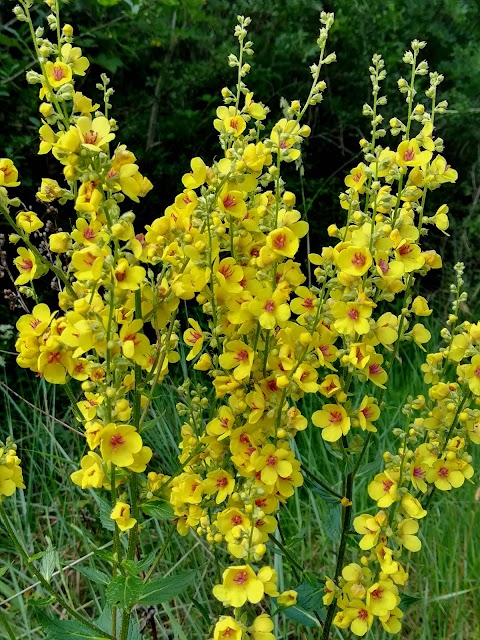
{"type": "Point", "coordinates": [433, 454]}
{"type": "Point", "coordinates": [267, 333]}
{"type": "Point", "coordinates": [11, 477]}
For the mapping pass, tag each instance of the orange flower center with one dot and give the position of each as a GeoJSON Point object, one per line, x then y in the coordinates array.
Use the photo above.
{"type": "Point", "coordinates": [269, 306]}
{"type": "Point", "coordinates": [280, 241]}
{"type": "Point", "coordinates": [272, 461]}
{"type": "Point", "coordinates": [409, 155]}
{"type": "Point", "coordinates": [90, 137]}
{"type": "Point", "coordinates": [229, 201]}
{"type": "Point", "coordinates": [359, 260]}
{"type": "Point", "coordinates": [117, 440]}
{"type": "Point", "coordinates": [443, 472]}
{"type": "Point", "coordinates": [241, 577]}
{"type": "Point", "coordinates": [241, 355]}
{"type": "Point", "coordinates": [335, 417]}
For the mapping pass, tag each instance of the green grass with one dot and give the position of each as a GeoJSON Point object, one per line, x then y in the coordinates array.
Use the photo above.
{"type": "Point", "coordinates": [444, 576]}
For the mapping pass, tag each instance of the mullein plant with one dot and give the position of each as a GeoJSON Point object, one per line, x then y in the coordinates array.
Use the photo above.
{"type": "Point", "coordinates": [260, 336]}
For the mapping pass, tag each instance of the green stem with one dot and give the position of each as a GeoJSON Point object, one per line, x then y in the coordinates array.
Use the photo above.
{"type": "Point", "coordinates": [346, 517]}
{"type": "Point", "coordinates": [26, 558]}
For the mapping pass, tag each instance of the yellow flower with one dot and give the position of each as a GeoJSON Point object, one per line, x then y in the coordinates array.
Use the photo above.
{"type": "Point", "coordinates": [369, 527]}
{"type": "Point", "coordinates": [351, 317]}
{"type": "Point", "coordinates": [82, 104]}
{"type": "Point", "coordinates": [356, 178]}
{"type": "Point", "coordinates": [135, 344]}
{"type": "Point", "coordinates": [88, 262]}
{"type": "Point", "coordinates": [198, 175]}
{"type": "Point", "coordinates": [27, 264]}
{"type": "Point", "coordinates": [219, 482]}
{"type": "Point", "coordinates": [406, 535]}
{"type": "Point", "coordinates": [90, 475]}
{"type": "Point", "coordinates": [47, 139]}
{"type": "Point", "coordinates": [382, 597]}
{"type": "Point", "coordinates": [28, 221]}
{"type": "Point", "coordinates": [54, 364]}
{"type": "Point", "coordinates": [283, 242]}
{"type": "Point", "coordinates": [287, 598]}
{"type": "Point", "coordinates": [128, 277]}
{"type": "Point", "coordinates": [409, 154]}
{"type": "Point", "coordinates": [193, 337]}
{"type": "Point", "coordinates": [357, 615]}
{"type": "Point", "coordinates": [272, 463]}
{"type": "Point", "coordinates": [420, 307]}
{"type": "Point", "coordinates": [472, 374]}
{"type": "Point", "coordinates": [383, 488]}
{"type": "Point", "coordinates": [238, 357]}
{"type": "Point", "coordinates": [8, 173]}
{"type": "Point", "coordinates": [368, 412]}
{"type": "Point", "coordinates": [73, 56]}
{"type": "Point", "coordinates": [354, 261]}
{"type": "Point", "coordinates": [412, 507]}
{"type": "Point", "coordinates": [420, 335]}
{"type": "Point", "coordinates": [57, 73]}
{"type": "Point", "coordinates": [270, 307]}
{"type": "Point", "coordinates": [50, 190]}
{"type": "Point", "coordinates": [262, 628]}
{"type": "Point", "coordinates": [446, 474]}
{"type": "Point", "coordinates": [121, 515]}
{"type": "Point", "coordinates": [94, 134]}
{"type": "Point", "coordinates": [334, 421]}
{"type": "Point", "coordinates": [119, 443]}
{"type": "Point", "coordinates": [227, 629]}
{"type": "Point", "coordinates": [240, 584]}
{"type": "Point", "coordinates": [375, 372]}
{"type": "Point", "coordinates": [35, 323]}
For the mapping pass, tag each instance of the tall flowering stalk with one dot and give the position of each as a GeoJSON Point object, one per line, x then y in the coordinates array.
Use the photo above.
{"type": "Point", "coordinates": [259, 337]}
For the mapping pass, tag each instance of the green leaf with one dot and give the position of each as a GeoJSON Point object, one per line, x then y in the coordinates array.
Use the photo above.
{"type": "Point", "coordinates": [310, 595]}
{"type": "Point", "coordinates": [94, 575]}
{"type": "Point", "coordinates": [158, 509]}
{"type": "Point", "coordinates": [124, 591]}
{"type": "Point", "coordinates": [331, 524]}
{"type": "Point", "coordinates": [165, 589]}
{"type": "Point", "coordinates": [105, 509]}
{"type": "Point", "coordinates": [319, 491]}
{"type": "Point", "coordinates": [407, 601]}
{"type": "Point", "coordinates": [301, 616]}
{"type": "Point", "coordinates": [66, 629]}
